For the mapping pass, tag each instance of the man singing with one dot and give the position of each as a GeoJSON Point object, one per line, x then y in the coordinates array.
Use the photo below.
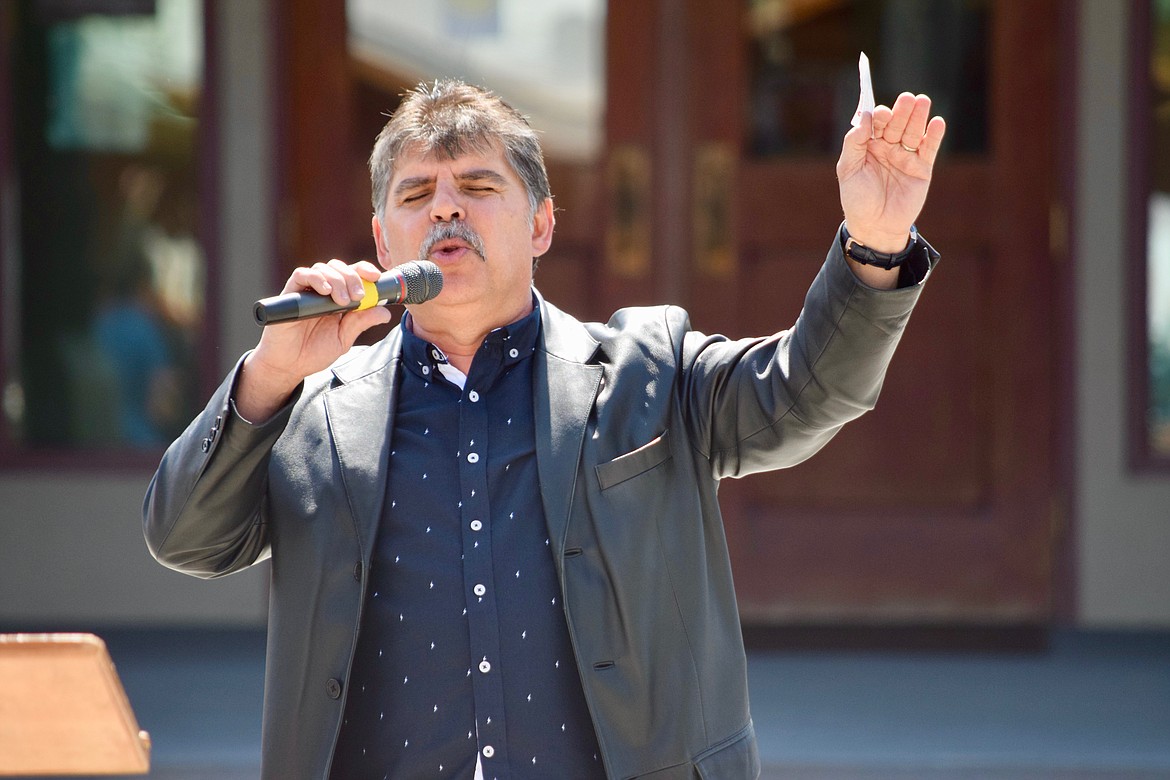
{"type": "Point", "coordinates": [496, 546]}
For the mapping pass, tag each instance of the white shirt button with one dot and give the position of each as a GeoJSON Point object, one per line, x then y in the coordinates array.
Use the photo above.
{"type": "Point", "coordinates": [476, 525]}
{"type": "Point", "coordinates": [485, 667]}
{"type": "Point", "coordinates": [436, 354]}
{"type": "Point", "coordinates": [473, 396]}
{"type": "Point", "coordinates": [513, 352]}
{"type": "Point", "coordinates": [426, 370]}
{"type": "Point", "coordinates": [473, 457]}
{"type": "Point", "coordinates": [479, 590]}
{"type": "Point", "coordinates": [488, 751]}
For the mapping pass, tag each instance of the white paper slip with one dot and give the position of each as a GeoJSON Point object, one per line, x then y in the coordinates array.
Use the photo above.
{"type": "Point", "coordinates": [865, 102]}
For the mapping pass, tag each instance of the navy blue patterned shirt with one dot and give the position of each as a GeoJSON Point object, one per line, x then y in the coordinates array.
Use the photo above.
{"type": "Point", "coordinates": [464, 652]}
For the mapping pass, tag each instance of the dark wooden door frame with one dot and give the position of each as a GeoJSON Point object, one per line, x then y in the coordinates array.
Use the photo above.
{"type": "Point", "coordinates": [675, 85]}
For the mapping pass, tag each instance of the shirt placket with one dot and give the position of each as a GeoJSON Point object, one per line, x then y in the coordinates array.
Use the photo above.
{"type": "Point", "coordinates": [480, 591]}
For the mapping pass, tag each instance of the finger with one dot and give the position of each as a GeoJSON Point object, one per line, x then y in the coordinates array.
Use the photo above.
{"type": "Point", "coordinates": [308, 278]}
{"type": "Point", "coordinates": [932, 139]}
{"type": "Point", "coordinates": [899, 117]}
{"type": "Point", "coordinates": [367, 270]}
{"type": "Point", "coordinates": [338, 284]}
{"type": "Point", "coordinates": [858, 137]}
{"type": "Point", "coordinates": [350, 278]}
{"type": "Point", "coordinates": [916, 125]}
{"type": "Point", "coordinates": [853, 146]}
{"type": "Point", "coordinates": [881, 117]}
{"type": "Point", "coordinates": [331, 282]}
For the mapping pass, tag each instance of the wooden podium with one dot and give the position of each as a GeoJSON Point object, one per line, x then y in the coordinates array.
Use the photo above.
{"type": "Point", "coordinates": [63, 710]}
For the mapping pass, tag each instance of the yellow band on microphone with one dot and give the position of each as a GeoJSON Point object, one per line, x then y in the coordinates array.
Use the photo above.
{"type": "Point", "coordinates": [371, 298]}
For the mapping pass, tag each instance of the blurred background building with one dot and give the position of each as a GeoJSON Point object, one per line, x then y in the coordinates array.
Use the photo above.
{"type": "Point", "coordinates": [164, 163]}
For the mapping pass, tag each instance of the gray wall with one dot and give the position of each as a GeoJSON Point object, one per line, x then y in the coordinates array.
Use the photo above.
{"type": "Point", "coordinates": [1123, 524]}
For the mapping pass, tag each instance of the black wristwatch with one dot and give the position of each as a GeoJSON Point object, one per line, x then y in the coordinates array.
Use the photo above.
{"type": "Point", "coordinates": [866, 256]}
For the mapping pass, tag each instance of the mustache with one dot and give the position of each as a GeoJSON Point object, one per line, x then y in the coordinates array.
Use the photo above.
{"type": "Point", "coordinates": [445, 231]}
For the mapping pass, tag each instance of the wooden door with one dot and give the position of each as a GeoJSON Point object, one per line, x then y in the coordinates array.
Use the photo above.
{"type": "Point", "coordinates": [938, 507]}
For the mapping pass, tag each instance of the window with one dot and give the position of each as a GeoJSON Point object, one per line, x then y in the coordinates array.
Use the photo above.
{"type": "Point", "coordinates": [102, 266]}
{"type": "Point", "coordinates": [546, 57]}
{"type": "Point", "coordinates": [1152, 167]}
{"type": "Point", "coordinates": [803, 64]}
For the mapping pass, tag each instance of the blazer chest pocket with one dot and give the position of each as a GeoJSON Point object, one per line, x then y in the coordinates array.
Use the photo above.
{"type": "Point", "coordinates": [633, 463]}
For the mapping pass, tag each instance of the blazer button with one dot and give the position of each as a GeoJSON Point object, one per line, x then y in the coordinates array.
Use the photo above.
{"type": "Point", "coordinates": [206, 445]}
{"type": "Point", "coordinates": [357, 571]}
{"type": "Point", "coordinates": [333, 688]}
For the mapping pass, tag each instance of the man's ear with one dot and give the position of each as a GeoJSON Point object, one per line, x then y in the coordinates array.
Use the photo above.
{"type": "Point", "coordinates": [543, 223]}
{"type": "Point", "coordinates": [380, 245]}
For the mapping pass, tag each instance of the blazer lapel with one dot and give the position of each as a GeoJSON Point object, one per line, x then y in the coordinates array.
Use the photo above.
{"type": "Point", "coordinates": [565, 388]}
{"type": "Point", "coordinates": [360, 412]}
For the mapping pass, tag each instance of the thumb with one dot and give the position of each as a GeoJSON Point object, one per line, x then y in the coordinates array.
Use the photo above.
{"type": "Point", "coordinates": [855, 145]}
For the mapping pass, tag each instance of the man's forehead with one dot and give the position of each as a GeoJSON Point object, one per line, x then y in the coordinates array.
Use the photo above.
{"type": "Point", "coordinates": [416, 160]}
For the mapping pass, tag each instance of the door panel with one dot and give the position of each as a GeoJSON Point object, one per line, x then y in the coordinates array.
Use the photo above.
{"type": "Point", "coordinates": [928, 454]}
{"type": "Point", "coordinates": [937, 506]}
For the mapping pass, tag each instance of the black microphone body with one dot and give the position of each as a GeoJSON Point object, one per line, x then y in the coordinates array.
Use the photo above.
{"type": "Point", "coordinates": [413, 282]}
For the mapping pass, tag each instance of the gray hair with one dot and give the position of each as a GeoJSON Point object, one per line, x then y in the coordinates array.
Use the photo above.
{"type": "Point", "coordinates": [450, 118]}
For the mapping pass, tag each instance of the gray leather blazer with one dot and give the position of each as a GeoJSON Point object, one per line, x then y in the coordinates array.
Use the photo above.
{"type": "Point", "coordinates": [637, 421]}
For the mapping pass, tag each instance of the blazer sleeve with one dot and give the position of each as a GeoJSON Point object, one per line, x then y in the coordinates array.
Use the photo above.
{"type": "Point", "coordinates": [769, 403]}
{"type": "Point", "coordinates": [204, 511]}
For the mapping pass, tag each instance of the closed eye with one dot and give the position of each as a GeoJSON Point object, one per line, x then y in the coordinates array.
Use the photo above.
{"type": "Point", "coordinates": [482, 180]}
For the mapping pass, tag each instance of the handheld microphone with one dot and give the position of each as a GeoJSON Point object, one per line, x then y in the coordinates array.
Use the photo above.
{"type": "Point", "coordinates": [413, 282]}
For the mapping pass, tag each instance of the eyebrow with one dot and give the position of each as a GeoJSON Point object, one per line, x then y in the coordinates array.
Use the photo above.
{"type": "Point", "coordinates": [483, 174]}
{"type": "Point", "coordinates": [478, 174]}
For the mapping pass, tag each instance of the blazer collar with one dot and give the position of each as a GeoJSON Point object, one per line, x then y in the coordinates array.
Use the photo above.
{"type": "Point", "coordinates": [359, 408]}
{"type": "Point", "coordinates": [566, 380]}
{"type": "Point", "coordinates": [369, 360]}
{"type": "Point", "coordinates": [564, 336]}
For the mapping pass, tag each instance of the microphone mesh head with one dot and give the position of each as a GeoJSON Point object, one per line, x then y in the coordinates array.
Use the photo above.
{"type": "Point", "coordinates": [423, 280]}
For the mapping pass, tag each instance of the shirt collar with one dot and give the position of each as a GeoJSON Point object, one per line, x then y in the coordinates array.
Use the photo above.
{"type": "Point", "coordinates": [501, 348]}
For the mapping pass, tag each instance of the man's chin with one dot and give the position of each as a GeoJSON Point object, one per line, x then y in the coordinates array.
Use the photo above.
{"type": "Point", "coordinates": [456, 292]}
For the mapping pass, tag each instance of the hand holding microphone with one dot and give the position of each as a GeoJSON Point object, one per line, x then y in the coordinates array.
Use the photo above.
{"type": "Point", "coordinates": [413, 282]}
{"type": "Point", "coordinates": [309, 342]}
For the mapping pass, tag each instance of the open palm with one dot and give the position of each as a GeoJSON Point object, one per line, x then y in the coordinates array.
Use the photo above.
{"type": "Point", "coordinates": [885, 168]}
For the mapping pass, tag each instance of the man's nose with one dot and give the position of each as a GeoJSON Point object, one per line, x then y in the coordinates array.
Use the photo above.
{"type": "Point", "coordinates": [446, 206]}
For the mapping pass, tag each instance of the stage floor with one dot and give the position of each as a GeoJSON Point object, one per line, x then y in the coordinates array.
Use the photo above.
{"type": "Point", "coordinates": [1091, 705]}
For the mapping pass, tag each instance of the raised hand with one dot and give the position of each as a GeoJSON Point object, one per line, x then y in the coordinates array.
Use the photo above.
{"type": "Point", "coordinates": [885, 168]}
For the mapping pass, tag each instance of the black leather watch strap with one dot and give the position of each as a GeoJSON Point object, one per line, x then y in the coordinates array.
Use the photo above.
{"type": "Point", "coordinates": [866, 256]}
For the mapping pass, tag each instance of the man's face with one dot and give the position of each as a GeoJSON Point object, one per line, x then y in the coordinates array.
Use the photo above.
{"type": "Point", "coordinates": [470, 216]}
